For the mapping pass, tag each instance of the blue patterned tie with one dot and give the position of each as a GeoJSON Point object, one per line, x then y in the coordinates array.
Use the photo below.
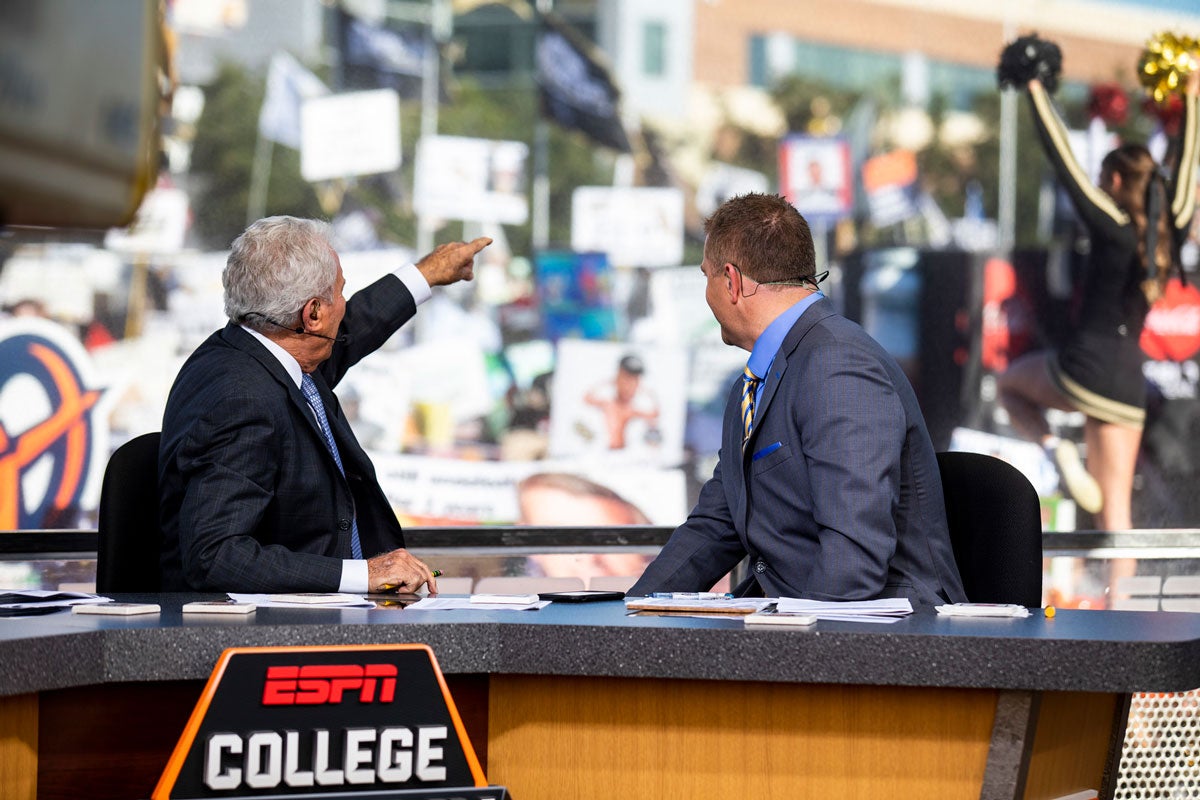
{"type": "Point", "coordinates": [750, 383]}
{"type": "Point", "coordinates": [309, 387]}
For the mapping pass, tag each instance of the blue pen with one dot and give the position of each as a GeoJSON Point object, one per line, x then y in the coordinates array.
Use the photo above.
{"type": "Point", "coordinates": [692, 595]}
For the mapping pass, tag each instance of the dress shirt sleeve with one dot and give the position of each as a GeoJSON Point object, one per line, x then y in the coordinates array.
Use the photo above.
{"type": "Point", "coordinates": [355, 577]}
{"type": "Point", "coordinates": [415, 282]}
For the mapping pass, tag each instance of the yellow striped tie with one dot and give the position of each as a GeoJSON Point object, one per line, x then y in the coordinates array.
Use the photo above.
{"type": "Point", "coordinates": [750, 383]}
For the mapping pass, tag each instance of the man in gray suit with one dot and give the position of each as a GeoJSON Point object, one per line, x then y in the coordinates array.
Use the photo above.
{"type": "Point", "coordinates": [263, 486]}
{"type": "Point", "coordinates": [827, 478]}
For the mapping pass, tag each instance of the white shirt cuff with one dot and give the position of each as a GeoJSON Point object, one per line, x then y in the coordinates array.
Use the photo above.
{"type": "Point", "coordinates": [355, 577]}
{"type": "Point", "coordinates": [412, 278]}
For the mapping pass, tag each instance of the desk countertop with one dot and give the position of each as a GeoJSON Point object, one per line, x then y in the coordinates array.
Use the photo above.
{"type": "Point", "coordinates": [1097, 651]}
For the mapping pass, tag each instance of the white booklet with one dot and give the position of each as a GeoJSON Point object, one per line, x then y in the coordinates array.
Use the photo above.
{"type": "Point", "coordinates": [471, 604]}
{"type": "Point", "coordinates": [893, 607]}
{"type": "Point", "coordinates": [775, 618]}
{"type": "Point", "coordinates": [982, 610]}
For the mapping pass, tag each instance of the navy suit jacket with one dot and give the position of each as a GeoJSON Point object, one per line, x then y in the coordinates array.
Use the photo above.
{"type": "Point", "coordinates": [836, 494]}
{"type": "Point", "coordinates": [251, 498]}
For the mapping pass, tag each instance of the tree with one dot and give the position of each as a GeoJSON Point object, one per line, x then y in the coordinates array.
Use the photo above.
{"type": "Point", "coordinates": [223, 158]}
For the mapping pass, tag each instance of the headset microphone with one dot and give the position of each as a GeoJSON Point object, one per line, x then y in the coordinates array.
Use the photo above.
{"type": "Point", "coordinates": [343, 339]}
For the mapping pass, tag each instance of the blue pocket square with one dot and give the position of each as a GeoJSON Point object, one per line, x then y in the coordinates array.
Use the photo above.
{"type": "Point", "coordinates": [766, 451]}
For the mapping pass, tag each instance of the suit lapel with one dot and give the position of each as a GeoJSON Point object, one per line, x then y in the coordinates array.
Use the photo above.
{"type": "Point", "coordinates": [812, 315]}
{"type": "Point", "coordinates": [234, 336]}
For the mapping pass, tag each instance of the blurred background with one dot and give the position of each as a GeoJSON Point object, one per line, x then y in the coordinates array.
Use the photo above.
{"type": "Point", "coordinates": [589, 139]}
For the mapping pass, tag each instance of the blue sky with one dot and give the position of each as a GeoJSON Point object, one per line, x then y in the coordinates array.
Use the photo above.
{"type": "Point", "coordinates": [1185, 6]}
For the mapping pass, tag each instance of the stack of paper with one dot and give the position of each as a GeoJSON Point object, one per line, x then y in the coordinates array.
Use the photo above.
{"type": "Point", "coordinates": [885, 610]}
{"type": "Point", "coordinates": [480, 602]}
{"type": "Point", "coordinates": [304, 600]}
{"type": "Point", "coordinates": [693, 605]}
{"type": "Point", "coordinates": [982, 610]}
{"type": "Point", "coordinates": [42, 601]}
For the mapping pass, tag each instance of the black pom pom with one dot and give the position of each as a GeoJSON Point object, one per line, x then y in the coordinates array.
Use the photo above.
{"type": "Point", "coordinates": [1029, 57]}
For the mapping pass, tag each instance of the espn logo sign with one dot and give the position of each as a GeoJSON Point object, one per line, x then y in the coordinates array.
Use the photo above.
{"type": "Point", "coordinates": [328, 684]}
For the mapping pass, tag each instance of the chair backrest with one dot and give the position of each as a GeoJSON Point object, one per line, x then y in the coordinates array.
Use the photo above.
{"type": "Point", "coordinates": [995, 527]}
{"type": "Point", "coordinates": [130, 545]}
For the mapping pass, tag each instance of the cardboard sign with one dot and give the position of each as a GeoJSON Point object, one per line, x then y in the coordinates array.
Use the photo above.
{"type": "Point", "coordinates": [814, 175]}
{"type": "Point", "coordinates": [351, 721]}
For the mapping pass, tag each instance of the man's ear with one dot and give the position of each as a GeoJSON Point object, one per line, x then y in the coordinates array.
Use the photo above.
{"type": "Point", "coordinates": [733, 282]}
{"type": "Point", "coordinates": [312, 310]}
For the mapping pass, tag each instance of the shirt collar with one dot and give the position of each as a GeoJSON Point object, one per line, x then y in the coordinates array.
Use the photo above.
{"type": "Point", "coordinates": [769, 341]}
{"type": "Point", "coordinates": [285, 358]}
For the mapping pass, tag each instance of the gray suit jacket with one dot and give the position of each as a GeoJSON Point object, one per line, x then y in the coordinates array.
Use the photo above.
{"type": "Point", "coordinates": [835, 496]}
{"type": "Point", "coordinates": [251, 498]}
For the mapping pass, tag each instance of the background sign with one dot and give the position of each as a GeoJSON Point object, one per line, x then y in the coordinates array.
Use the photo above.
{"type": "Point", "coordinates": [814, 175]}
{"type": "Point", "coordinates": [357, 133]}
{"type": "Point", "coordinates": [575, 295]}
{"type": "Point", "coordinates": [472, 179]}
{"type": "Point", "coordinates": [637, 227]}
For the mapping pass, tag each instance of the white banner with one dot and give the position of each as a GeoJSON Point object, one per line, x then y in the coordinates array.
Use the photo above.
{"type": "Point", "coordinates": [444, 491]}
{"type": "Point", "coordinates": [357, 133]}
{"type": "Point", "coordinates": [637, 227]}
{"type": "Point", "coordinates": [471, 179]}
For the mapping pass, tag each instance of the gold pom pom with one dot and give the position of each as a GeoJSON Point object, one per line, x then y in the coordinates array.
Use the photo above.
{"type": "Point", "coordinates": [1166, 63]}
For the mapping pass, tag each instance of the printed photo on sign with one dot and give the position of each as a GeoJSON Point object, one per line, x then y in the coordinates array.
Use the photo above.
{"type": "Point", "coordinates": [443, 491]}
{"type": "Point", "coordinates": [575, 293]}
{"type": "Point", "coordinates": [814, 175]}
{"type": "Point", "coordinates": [618, 402]}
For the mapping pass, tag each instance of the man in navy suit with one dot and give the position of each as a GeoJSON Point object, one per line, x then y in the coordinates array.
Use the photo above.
{"type": "Point", "coordinates": [263, 486]}
{"type": "Point", "coordinates": [827, 478]}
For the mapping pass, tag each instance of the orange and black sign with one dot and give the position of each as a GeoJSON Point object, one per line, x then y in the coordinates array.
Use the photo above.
{"type": "Point", "coordinates": [356, 721]}
{"type": "Point", "coordinates": [47, 423]}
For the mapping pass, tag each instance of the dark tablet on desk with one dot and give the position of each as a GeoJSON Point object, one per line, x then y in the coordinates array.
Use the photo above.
{"type": "Point", "coordinates": [581, 596]}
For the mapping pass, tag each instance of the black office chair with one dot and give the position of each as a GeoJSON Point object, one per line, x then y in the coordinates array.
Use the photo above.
{"type": "Point", "coordinates": [995, 526]}
{"type": "Point", "coordinates": [130, 538]}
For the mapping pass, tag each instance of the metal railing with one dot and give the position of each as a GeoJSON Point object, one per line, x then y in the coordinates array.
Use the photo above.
{"type": "Point", "coordinates": [1157, 543]}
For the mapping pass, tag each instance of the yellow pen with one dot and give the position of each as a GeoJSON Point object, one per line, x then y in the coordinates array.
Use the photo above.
{"type": "Point", "coordinates": [437, 573]}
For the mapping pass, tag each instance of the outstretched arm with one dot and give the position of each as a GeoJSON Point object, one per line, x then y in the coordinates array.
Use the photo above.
{"type": "Point", "coordinates": [1183, 181]}
{"type": "Point", "coordinates": [1094, 206]}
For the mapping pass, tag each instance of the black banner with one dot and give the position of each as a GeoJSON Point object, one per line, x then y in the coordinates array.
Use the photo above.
{"type": "Point", "coordinates": [576, 91]}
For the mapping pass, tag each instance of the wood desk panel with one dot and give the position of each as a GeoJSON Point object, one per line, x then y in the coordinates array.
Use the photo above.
{"type": "Point", "coordinates": [580, 738]}
{"type": "Point", "coordinates": [572, 738]}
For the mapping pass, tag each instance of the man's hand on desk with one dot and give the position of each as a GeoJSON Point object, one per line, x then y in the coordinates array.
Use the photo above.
{"type": "Point", "coordinates": [399, 571]}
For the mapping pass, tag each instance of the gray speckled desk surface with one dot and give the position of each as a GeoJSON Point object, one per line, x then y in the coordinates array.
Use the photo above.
{"type": "Point", "coordinates": [1090, 651]}
{"type": "Point", "coordinates": [928, 706]}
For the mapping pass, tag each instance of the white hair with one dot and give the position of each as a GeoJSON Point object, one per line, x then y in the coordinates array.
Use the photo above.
{"type": "Point", "coordinates": [276, 266]}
